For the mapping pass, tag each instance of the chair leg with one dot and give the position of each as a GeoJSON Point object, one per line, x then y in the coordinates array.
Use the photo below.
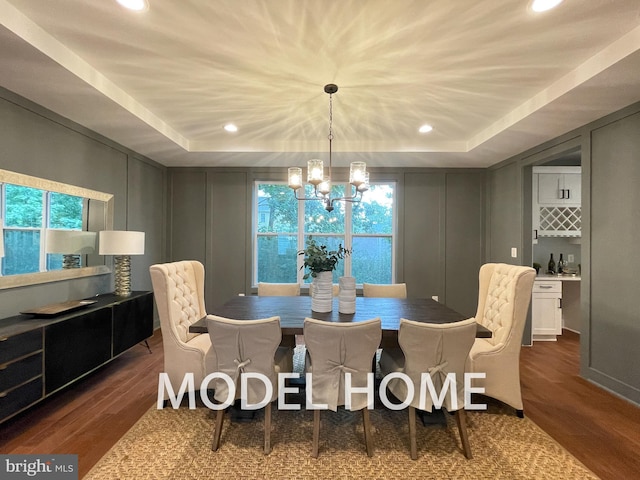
{"type": "Point", "coordinates": [461, 420]}
{"type": "Point", "coordinates": [412, 433]}
{"type": "Point", "coordinates": [366, 423]}
{"type": "Point", "coordinates": [316, 433]}
{"type": "Point", "coordinates": [520, 413]}
{"type": "Point", "coordinates": [267, 429]}
{"type": "Point", "coordinates": [215, 444]}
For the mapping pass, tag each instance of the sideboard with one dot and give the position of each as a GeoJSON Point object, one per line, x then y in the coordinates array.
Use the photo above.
{"type": "Point", "coordinates": [39, 356]}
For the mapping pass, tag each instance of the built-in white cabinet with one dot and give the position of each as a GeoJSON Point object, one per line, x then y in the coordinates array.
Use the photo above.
{"type": "Point", "coordinates": [556, 202]}
{"type": "Point", "coordinates": [546, 310]}
{"type": "Point", "coordinates": [559, 188]}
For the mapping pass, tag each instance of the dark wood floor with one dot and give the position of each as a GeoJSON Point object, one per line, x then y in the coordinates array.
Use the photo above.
{"type": "Point", "coordinates": [598, 428]}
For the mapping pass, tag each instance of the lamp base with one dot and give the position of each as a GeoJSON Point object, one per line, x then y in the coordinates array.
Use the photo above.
{"type": "Point", "coordinates": [70, 261]}
{"type": "Point", "coordinates": [122, 267]}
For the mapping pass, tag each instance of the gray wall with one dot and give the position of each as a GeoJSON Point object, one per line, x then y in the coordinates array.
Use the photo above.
{"type": "Point", "coordinates": [612, 313]}
{"type": "Point", "coordinates": [35, 141]}
{"type": "Point", "coordinates": [450, 222]}
{"type": "Point", "coordinates": [440, 229]}
{"type": "Point", "coordinates": [610, 323]}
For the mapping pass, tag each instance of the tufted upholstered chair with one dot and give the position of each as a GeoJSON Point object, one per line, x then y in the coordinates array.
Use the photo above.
{"type": "Point", "coordinates": [178, 288]}
{"type": "Point", "coordinates": [278, 289]}
{"type": "Point", "coordinates": [334, 349]}
{"type": "Point", "coordinates": [436, 349]}
{"type": "Point", "coordinates": [248, 346]}
{"type": "Point", "coordinates": [503, 302]}
{"type": "Point", "coordinates": [393, 290]}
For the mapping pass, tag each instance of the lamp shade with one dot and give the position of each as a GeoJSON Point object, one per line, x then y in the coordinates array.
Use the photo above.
{"type": "Point", "coordinates": [121, 242]}
{"type": "Point", "coordinates": [70, 242]}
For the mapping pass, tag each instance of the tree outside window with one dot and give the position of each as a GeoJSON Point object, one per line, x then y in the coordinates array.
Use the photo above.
{"type": "Point", "coordinates": [283, 224]}
{"type": "Point", "coordinates": [26, 212]}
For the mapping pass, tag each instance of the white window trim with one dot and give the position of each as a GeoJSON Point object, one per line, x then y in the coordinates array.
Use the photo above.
{"type": "Point", "coordinates": [348, 235]}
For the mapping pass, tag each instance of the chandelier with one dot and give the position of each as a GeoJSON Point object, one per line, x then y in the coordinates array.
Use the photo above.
{"type": "Point", "coordinates": [358, 175]}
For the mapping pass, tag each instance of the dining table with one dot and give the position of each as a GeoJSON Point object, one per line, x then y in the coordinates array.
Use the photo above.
{"type": "Point", "coordinates": [292, 311]}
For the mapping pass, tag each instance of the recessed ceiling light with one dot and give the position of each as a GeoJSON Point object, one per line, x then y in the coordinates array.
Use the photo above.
{"type": "Point", "coordinates": [544, 5]}
{"type": "Point", "coordinates": [137, 5]}
{"type": "Point", "coordinates": [230, 127]}
{"type": "Point", "coordinates": [425, 128]}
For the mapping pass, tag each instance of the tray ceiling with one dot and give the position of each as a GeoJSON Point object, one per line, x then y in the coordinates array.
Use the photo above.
{"type": "Point", "coordinates": [491, 77]}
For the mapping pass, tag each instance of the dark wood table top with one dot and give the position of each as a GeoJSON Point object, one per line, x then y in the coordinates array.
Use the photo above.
{"type": "Point", "coordinates": [293, 310]}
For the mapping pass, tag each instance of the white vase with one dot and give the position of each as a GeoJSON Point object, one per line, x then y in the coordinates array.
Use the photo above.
{"type": "Point", "coordinates": [322, 294]}
{"type": "Point", "coordinates": [347, 295]}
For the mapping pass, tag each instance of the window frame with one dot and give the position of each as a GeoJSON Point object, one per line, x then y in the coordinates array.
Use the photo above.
{"type": "Point", "coordinates": [348, 234]}
{"type": "Point", "coordinates": [101, 221]}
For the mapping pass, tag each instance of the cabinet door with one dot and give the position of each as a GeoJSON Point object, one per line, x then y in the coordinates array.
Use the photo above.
{"type": "Point", "coordinates": [546, 314]}
{"type": "Point", "coordinates": [76, 346]}
{"type": "Point", "coordinates": [573, 188]}
{"type": "Point", "coordinates": [559, 188]}
{"type": "Point", "coordinates": [549, 189]}
{"type": "Point", "coordinates": [132, 322]}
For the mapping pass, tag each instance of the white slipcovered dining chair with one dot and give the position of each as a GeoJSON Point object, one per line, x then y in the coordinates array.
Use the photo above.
{"type": "Point", "coordinates": [392, 290]}
{"type": "Point", "coordinates": [278, 289]}
{"type": "Point", "coordinates": [503, 301]}
{"type": "Point", "coordinates": [437, 350]}
{"type": "Point", "coordinates": [333, 350]}
{"type": "Point", "coordinates": [178, 289]}
{"type": "Point", "coordinates": [247, 347]}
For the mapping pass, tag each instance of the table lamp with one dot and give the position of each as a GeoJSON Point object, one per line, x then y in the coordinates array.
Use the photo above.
{"type": "Point", "coordinates": [121, 244]}
{"type": "Point", "coordinates": [71, 244]}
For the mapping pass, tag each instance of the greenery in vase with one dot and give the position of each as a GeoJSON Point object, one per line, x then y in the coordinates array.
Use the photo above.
{"type": "Point", "coordinates": [318, 259]}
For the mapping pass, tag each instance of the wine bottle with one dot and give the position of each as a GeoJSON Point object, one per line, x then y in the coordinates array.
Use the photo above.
{"type": "Point", "coordinates": [561, 265]}
{"type": "Point", "coordinates": [551, 267]}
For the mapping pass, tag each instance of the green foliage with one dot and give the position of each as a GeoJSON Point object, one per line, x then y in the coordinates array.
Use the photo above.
{"type": "Point", "coordinates": [23, 207]}
{"type": "Point", "coordinates": [317, 258]}
{"type": "Point", "coordinates": [65, 211]}
{"type": "Point", "coordinates": [24, 212]}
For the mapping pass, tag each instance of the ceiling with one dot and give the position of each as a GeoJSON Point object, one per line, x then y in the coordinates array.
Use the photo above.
{"type": "Point", "coordinates": [491, 77]}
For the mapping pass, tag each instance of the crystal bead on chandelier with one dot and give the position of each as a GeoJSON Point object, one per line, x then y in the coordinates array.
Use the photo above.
{"type": "Point", "coordinates": [358, 175]}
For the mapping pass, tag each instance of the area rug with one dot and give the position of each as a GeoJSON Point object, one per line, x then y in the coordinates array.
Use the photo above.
{"type": "Point", "coordinates": [176, 444]}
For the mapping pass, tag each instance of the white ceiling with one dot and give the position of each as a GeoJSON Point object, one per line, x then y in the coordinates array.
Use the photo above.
{"type": "Point", "coordinates": [493, 78]}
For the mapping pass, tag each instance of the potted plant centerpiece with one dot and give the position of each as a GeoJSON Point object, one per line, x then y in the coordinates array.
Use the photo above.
{"type": "Point", "coordinates": [320, 262]}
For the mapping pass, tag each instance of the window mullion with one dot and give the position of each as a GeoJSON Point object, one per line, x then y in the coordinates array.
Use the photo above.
{"type": "Point", "coordinates": [46, 201]}
{"type": "Point", "coordinates": [348, 241]}
{"type": "Point", "coordinates": [299, 258]}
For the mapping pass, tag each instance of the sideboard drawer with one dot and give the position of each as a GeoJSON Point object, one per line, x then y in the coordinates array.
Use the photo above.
{"type": "Point", "coordinates": [20, 345]}
{"type": "Point", "coordinates": [15, 373]}
{"type": "Point", "coordinates": [13, 401]}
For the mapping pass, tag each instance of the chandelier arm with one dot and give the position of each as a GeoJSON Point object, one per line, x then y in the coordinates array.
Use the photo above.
{"type": "Point", "coordinates": [318, 196]}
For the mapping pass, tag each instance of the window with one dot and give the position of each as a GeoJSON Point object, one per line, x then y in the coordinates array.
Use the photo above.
{"type": "Point", "coordinates": [27, 212]}
{"type": "Point", "coordinates": [283, 224]}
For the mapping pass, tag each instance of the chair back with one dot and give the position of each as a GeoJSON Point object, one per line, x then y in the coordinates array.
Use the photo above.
{"type": "Point", "coordinates": [178, 289]}
{"type": "Point", "coordinates": [438, 350]}
{"type": "Point", "coordinates": [245, 346]}
{"type": "Point", "coordinates": [393, 290]}
{"type": "Point", "coordinates": [503, 301]}
{"type": "Point", "coordinates": [335, 349]}
{"type": "Point", "coordinates": [278, 289]}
